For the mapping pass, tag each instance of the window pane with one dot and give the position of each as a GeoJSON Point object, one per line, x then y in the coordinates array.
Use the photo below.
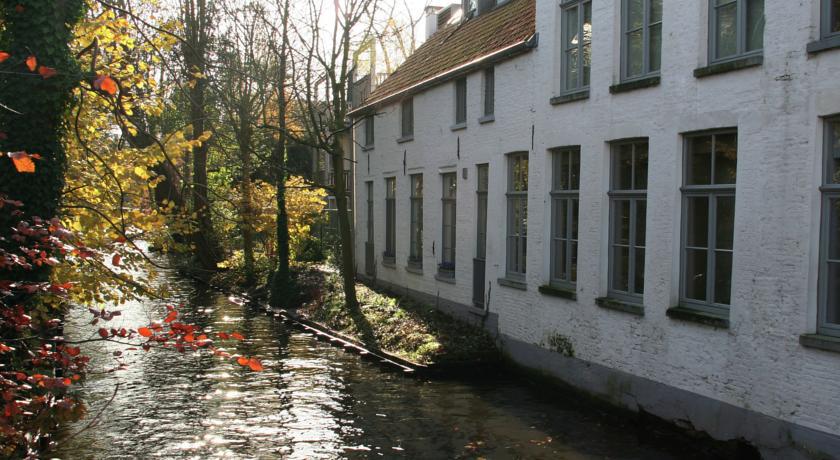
{"type": "Point", "coordinates": [561, 171]}
{"type": "Point", "coordinates": [726, 33]}
{"type": "Point", "coordinates": [572, 28]}
{"type": "Point", "coordinates": [641, 222]}
{"type": "Point", "coordinates": [833, 152]}
{"type": "Point", "coordinates": [695, 274]}
{"type": "Point", "coordinates": [635, 53]}
{"type": "Point", "coordinates": [755, 25]}
{"type": "Point", "coordinates": [723, 277]}
{"type": "Point", "coordinates": [640, 171]}
{"type": "Point", "coordinates": [574, 170]}
{"type": "Point", "coordinates": [833, 230]}
{"type": "Point", "coordinates": [519, 173]}
{"type": "Point", "coordinates": [587, 39]}
{"type": "Point", "coordinates": [574, 223]}
{"type": "Point", "coordinates": [621, 269]}
{"type": "Point", "coordinates": [655, 47]}
{"type": "Point", "coordinates": [699, 161]}
{"type": "Point", "coordinates": [572, 73]}
{"type": "Point", "coordinates": [834, 24]}
{"type": "Point", "coordinates": [639, 272]}
{"type": "Point", "coordinates": [726, 158]}
{"type": "Point", "coordinates": [624, 168]}
{"type": "Point", "coordinates": [725, 222]}
{"type": "Point", "coordinates": [655, 11]}
{"type": "Point", "coordinates": [560, 213]}
{"type": "Point", "coordinates": [450, 186]}
{"type": "Point", "coordinates": [559, 259]}
{"type": "Point", "coordinates": [481, 243]}
{"type": "Point", "coordinates": [697, 223]}
{"type": "Point", "coordinates": [621, 233]}
{"type": "Point", "coordinates": [573, 262]}
{"type": "Point", "coordinates": [832, 300]}
{"type": "Point", "coordinates": [587, 63]}
{"type": "Point", "coordinates": [489, 91]}
{"type": "Point", "coordinates": [417, 186]}
{"type": "Point", "coordinates": [635, 14]}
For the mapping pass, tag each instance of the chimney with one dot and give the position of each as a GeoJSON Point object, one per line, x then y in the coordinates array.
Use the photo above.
{"type": "Point", "coordinates": [432, 20]}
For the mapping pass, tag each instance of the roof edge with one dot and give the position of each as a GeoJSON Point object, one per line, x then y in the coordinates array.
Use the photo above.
{"type": "Point", "coordinates": [500, 55]}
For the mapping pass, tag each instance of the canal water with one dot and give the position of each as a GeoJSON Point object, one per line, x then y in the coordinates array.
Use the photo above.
{"type": "Point", "coordinates": [314, 401]}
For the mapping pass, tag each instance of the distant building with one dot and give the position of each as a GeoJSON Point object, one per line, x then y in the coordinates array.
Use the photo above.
{"type": "Point", "coordinates": [641, 198]}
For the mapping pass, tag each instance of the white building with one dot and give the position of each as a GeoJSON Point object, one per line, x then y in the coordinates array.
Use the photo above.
{"type": "Point", "coordinates": [636, 196]}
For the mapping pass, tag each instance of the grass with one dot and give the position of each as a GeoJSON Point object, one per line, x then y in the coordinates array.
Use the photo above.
{"type": "Point", "coordinates": [416, 332]}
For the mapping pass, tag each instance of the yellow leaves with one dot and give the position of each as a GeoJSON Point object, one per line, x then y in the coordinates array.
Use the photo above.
{"type": "Point", "coordinates": [141, 172]}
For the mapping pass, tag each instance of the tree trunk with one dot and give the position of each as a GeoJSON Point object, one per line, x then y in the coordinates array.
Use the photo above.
{"type": "Point", "coordinates": [348, 265]}
{"type": "Point", "coordinates": [246, 206]}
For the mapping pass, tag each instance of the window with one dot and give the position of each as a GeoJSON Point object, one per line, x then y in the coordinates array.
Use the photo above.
{"type": "Point", "coordinates": [369, 131]}
{"type": "Point", "coordinates": [830, 18]}
{"type": "Point", "coordinates": [641, 41]}
{"type": "Point", "coordinates": [829, 316]}
{"type": "Point", "coordinates": [517, 209]}
{"type": "Point", "coordinates": [369, 254]}
{"type": "Point", "coordinates": [415, 253]}
{"type": "Point", "coordinates": [390, 219]}
{"type": "Point", "coordinates": [448, 205]}
{"type": "Point", "coordinates": [577, 38]}
{"type": "Point", "coordinates": [407, 118]}
{"type": "Point", "coordinates": [483, 172]}
{"type": "Point", "coordinates": [708, 220]}
{"type": "Point", "coordinates": [736, 28]}
{"type": "Point", "coordinates": [628, 215]}
{"type": "Point", "coordinates": [489, 92]}
{"type": "Point", "coordinates": [565, 193]}
{"type": "Point", "coordinates": [461, 101]}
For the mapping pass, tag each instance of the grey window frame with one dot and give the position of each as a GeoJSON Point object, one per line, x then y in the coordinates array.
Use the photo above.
{"type": "Point", "coordinates": [461, 101]}
{"type": "Point", "coordinates": [565, 7]}
{"type": "Point", "coordinates": [635, 196]}
{"type": "Point", "coordinates": [646, 38]}
{"type": "Point", "coordinates": [825, 20]}
{"type": "Point", "coordinates": [570, 196]}
{"type": "Point", "coordinates": [407, 118]}
{"type": "Point", "coordinates": [830, 190]}
{"type": "Point", "coordinates": [481, 191]}
{"type": "Point", "coordinates": [448, 204]}
{"type": "Point", "coordinates": [415, 252]}
{"type": "Point", "coordinates": [390, 218]}
{"type": "Point", "coordinates": [489, 91]}
{"type": "Point", "coordinates": [516, 198]}
{"type": "Point", "coordinates": [712, 193]}
{"type": "Point", "coordinates": [369, 131]}
{"type": "Point", "coordinates": [741, 33]}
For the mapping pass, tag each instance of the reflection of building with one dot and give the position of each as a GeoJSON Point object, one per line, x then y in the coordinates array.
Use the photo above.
{"type": "Point", "coordinates": [647, 186]}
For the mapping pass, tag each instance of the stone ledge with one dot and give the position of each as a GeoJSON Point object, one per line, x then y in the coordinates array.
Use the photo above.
{"type": "Point", "coordinates": [389, 263]}
{"type": "Point", "coordinates": [405, 139]}
{"type": "Point", "coordinates": [572, 97]}
{"type": "Point", "coordinates": [553, 291]}
{"type": "Point", "coordinates": [824, 44]}
{"type": "Point", "coordinates": [450, 279]}
{"type": "Point", "coordinates": [513, 284]}
{"type": "Point", "coordinates": [620, 305]}
{"type": "Point", "coordinates": [487, 119]}
{"type": "Point", "coordinates": [729, 66]}
{"type": "Point", "coordinates": [367, 148]}
{"type": "Point", "coordinates": [632, 85]}
{"type": "Point", "coordinates": [820, 342]}
{"type": "Point", "coordinates": [417, 270]}
{"type": "Point", "coordinates": [697, 316]}
{"type": "Point", "coordinates": [458, 126]}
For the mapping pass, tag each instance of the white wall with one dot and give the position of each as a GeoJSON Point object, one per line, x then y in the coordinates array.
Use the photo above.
{"type": "Point", "coordinates": [757, 363]}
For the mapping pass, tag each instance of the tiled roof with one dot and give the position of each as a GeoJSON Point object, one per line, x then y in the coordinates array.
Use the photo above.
{"type": "Point", "coordinates": [459, 44]}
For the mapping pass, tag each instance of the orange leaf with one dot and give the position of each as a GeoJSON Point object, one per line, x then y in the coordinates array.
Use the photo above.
{"type": "Point", "coordinates": [189, 338]}
{"type": "Point", "coordinates": [145, 332]}
{"type": "Point", "coordinates": [67, 382]}
{"type": "Point", "coordinates": [223, 335]}
{"type": "Point", "coordinates": [106, 84]}
{"type": "Point", "coordinates": [237, 336]}
{"type": "Point", "coordinates": [46, 72]}
{"type": "Point", "coordinates": [73, 351]}
{"type": "Point", "coordinates": [23, 163]}
{"type": "Point", "coordinates": [32, 63]}
{"type": "Point", "coordinates": [172, 316]}
{"type": "Point", "coordinates": [243, 361]}
{"type": "Point", "coordinates": [255, 365]}
{"type": "Point", "coordinates": [4, 55]}
{"type": "Point", "coordinates": [202, 337]}
{"type": "Point", "coordinates": [115, 261]}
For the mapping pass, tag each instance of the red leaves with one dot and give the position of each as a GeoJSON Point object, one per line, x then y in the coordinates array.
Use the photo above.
{"type": "Point", "coordinates": [237, 336]}
{"type": "Point", "coordinates": [23, 161]}
{"type": "Point", "coordinates": [106, 84]}
{"type": "Point", "coordinates": [243, 361]}
{"type": "Point", "coordinates": [104, 333]}
{"type": "Point", "coordinates": [73, 351]}
{"type": "Point", "coordinates": [145, 332]}
{"type": "Point", "coordinates": [223, 335]}
{"type": "Point", "coordinates": [47, 72]}
{"type": "Point", "coordinates": [253, 363]}
{"type": "Point", "coordinates": [172, 316]}
{"type": "Point", "coordinates": [3, 56]}
{"type": "Point", "coordinates": [115, 261]}
{"type": "Point", "coordinates": [31, 63]}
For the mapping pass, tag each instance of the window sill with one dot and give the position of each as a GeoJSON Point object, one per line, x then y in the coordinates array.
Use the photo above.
{"type": "Point", "coordinates": [633, 85]}
{"type": "Point", "coordinates": [458, 126]}
{"type": "Point", "coordinates": [554, 291]}
{"type": "Point", "coordinates": [824, 44]}
{"type": "Point", "coordinates": [448, 278]}
{"type": "Point", "coordinates": [697, 316]}
{"type": "Point", "coordinates": [572, 97]}
{"type": "Point", "coordinates": [729, 66]}
{"type": "Point", "coordinates": [367, 148]}
{"type": "Point", "coordinates": [487, 119]}
{"type": "Point", "coordinates": [820, 342]}
{"type": "Point", "coordinates": [405, 139]}
{"type": "Point", "coordinates": [389, 262]}
{"type": "Point", "coordinates": [620, 305]}
{"type": "Point", "coordinates": [513, 284]}
{"type": "Point", "coordinates": [416, 269]}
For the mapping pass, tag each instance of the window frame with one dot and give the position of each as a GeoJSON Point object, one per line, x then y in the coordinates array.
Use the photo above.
{"type": "Point", "coordinates": [407, 118]}
{"type": "Point", "coordinates": [370, 132]}
{"type": "Point", "coordinates": [829, 191]}
{"type": "Point", "coordinates": [489, 92]}
{"type": "Point", "coordinates": [390, 252]}
{"type": "Point", "coordinates": [646, 38]}
{"type": "Point", "coordinates": [741, 19]}
{"type": "Point", "coordinates": [825, 20]}
{"type": "Point", "coordinates": [571, 197]}
{"type": "Point", "coordinates": [461, 101]}
{"type": "Point", "coordinates": [634, 195]}
{"type": "Point", "coordinates": [712, 192]}
{"type": "Point", "coordinates": [448, 203]}
{"type": "Point", "coordinates": [415, 226]}
{"type": "Point", "coordinates": [516, 198]}
{"type": "Point", "coordinates": [565, 7]}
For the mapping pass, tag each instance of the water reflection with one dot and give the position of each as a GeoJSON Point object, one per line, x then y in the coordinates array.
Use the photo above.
{"type": "Point", "coordinates": [314, 401]}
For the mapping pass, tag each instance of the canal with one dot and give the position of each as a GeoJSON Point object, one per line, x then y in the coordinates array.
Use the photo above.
{"type": "Point", "coordinates": [314, 401]}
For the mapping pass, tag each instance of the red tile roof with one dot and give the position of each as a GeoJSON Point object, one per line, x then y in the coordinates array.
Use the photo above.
{"type": "Point", "coordinates": [456, 46]}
